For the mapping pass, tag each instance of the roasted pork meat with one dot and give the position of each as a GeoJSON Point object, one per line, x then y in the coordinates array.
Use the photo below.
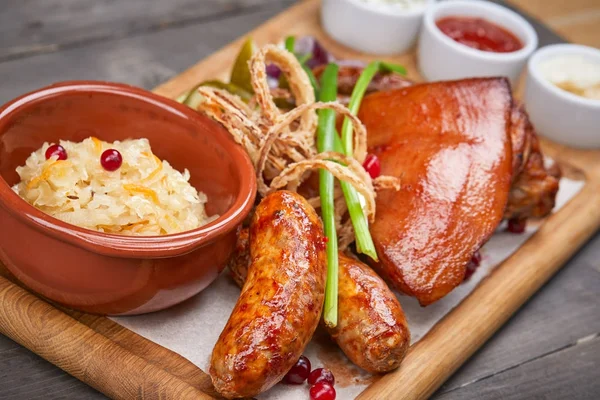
{"type": "Point", "coordinates": [534, 187]}
{"type": "Point", "coordinates": [450, 144]}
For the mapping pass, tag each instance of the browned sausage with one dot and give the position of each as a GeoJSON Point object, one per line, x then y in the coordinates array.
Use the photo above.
{"type": "Point", "coordinates": [281, 301]}
{"type": "Point", "coordinates": [372, 329]}
{"type": "Point", "coordinates": [240, 259]}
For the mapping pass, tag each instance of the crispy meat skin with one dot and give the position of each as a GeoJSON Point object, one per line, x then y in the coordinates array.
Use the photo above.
{"type": "Point", "coordinates": [449, 142]}
{"type": "Point", "coordinates": [372, 330]}
{"type": "Point", "coordinates": [534, 188]}
{"type": "Point", "coordinates": [520, 138]}
{"type": "Point", "coordinates": [281, 301]}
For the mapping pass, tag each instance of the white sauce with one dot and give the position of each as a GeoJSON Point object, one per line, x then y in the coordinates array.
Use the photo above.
{"type": "Point", "coordinates": [573, 73]}
{"type": "Point", "coordinates": [406, 5]}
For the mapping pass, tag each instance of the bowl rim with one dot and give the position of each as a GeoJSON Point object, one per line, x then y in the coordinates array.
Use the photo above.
{"type": "Point", "coordinates": [122, 245]}
{"type": "Point", "coordinates": [530, 42]}
{"type": "Point", "coordinates": [387, 11]}
{"type": "Point", "coordinates": [557, 50]}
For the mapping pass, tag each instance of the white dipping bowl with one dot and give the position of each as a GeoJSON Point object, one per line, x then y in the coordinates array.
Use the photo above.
{"type": "Point", "coordinates": [442, 58]}
{"type": "Point", "coordinates": [370, 28]}
{"type": "Point", "coordinates": [557, 114]}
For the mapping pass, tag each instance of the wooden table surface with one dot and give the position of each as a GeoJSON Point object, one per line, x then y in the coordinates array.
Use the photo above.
{"type": "Point", "coordinates": [550, 349]}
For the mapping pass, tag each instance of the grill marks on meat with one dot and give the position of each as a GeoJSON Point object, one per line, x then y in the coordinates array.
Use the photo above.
{"type": "Point", "coordinates": [450, 144]}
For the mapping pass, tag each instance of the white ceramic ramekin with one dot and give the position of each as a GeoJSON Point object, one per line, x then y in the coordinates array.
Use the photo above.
{"type": "Point", "coordinates": [442, 58]}
{"type": "Point", "coordinates": [373, 29]}
{"type": "Point", "coordinates": [557, 114]}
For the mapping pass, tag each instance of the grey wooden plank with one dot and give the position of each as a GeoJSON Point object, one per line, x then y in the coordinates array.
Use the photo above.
{"type": "Point", "coordinates": [564, 311]}
{"type": "Point", "coordinates": [144, 60]}
{"type": "Point", "coordinates": [33, 26]}
{"type": "Point", "coordinates": [25, 375]}
{"type": "Point", "coordinates": [6, 345]}
{"type": "Point", "coordinates": [571, 373]}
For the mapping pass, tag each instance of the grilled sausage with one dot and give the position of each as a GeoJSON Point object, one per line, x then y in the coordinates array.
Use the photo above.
{"type": "Point", "coordinates": [240, 259]}
{"type": "Point", "coordinates": [372, 330]}
{"type": "Point", "coordinates": [281, 301]}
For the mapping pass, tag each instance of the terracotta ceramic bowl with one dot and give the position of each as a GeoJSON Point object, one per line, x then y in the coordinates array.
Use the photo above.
{"type": "Point", "coordinates": [115, 274]}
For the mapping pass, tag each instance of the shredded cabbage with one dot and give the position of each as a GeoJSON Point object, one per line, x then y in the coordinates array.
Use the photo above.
{"type": "Point", "coordinates": [145, 196]}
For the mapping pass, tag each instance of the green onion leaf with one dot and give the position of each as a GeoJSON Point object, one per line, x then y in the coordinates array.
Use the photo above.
{"type": "Point", "coordinates": [312, 79]}
{"type": "Point", "coordinates": [364, 241]}
{"type": "Point", "coordinates": [359, 92]}
{"type": "Point", "coordinates": [290, 43]}
{"type": "Point", "coordinates": [326, 142]}
{"type": "Point", "coordinates": [355, 99]}
{"type": "Point", "coordinates": [303, 58]}
{"type": "Point", "coordinates": [389, 67]}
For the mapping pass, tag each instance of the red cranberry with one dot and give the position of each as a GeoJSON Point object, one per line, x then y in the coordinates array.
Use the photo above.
{"type": "Point", "coordinates": [372, 165]}
{"type": "Point", "coordinates": [473, 264]}
{"type": "Point", "coordinates": [111, 160]}
{"type": "Point", "coordinates": [56, 150]}
{"type": "Point", "coordinates": [321, 375]}
{"type": "Point", "coordinates": [322, 391]}
{"type": "Point", "coordinates": [516, 225]}
{"type": "Point", "coordinates": [299, 372]}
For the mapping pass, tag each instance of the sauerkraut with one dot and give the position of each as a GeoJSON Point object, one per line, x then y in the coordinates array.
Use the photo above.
{"type": "Point", "coordinates": [144, 196]}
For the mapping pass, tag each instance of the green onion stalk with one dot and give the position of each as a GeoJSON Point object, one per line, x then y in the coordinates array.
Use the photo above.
{"type": "Point", "coordinates": [326, 142]}
{"type": "Point", "coordinates": [364, 241]}
{"type": "Point", "coordinates": [329, 140]}
{"type": "Point", "coordinates": [290, 44]}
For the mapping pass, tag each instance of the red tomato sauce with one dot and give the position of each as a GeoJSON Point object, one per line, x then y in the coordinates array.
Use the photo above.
{"type": "Point", "coordinates": [479, 34]}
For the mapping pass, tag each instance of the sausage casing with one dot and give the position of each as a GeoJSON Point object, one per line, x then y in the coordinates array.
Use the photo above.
{"type": "Point", "coordinates": [372, 330]}
{"type": "Point", "coordinates": [281, 301]}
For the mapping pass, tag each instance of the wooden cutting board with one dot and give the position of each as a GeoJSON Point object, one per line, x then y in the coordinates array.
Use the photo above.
{"type": "Point", "coordinates": [124, 365]}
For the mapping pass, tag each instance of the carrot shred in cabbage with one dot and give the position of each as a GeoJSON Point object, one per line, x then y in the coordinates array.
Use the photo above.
{"type": "Point", "coordinates": [131, 188]}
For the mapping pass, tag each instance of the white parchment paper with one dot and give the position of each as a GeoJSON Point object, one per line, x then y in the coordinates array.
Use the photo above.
{"type": "Point", "coordinates": [192, 328]}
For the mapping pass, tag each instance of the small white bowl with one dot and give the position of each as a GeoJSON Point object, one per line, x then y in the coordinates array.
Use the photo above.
{"type": "Point", "coordinates": [442, 58]}
{"type": "Point", "coordinates": [557, 114]}
{"type": "Point", "coordinates": [371, 28]}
